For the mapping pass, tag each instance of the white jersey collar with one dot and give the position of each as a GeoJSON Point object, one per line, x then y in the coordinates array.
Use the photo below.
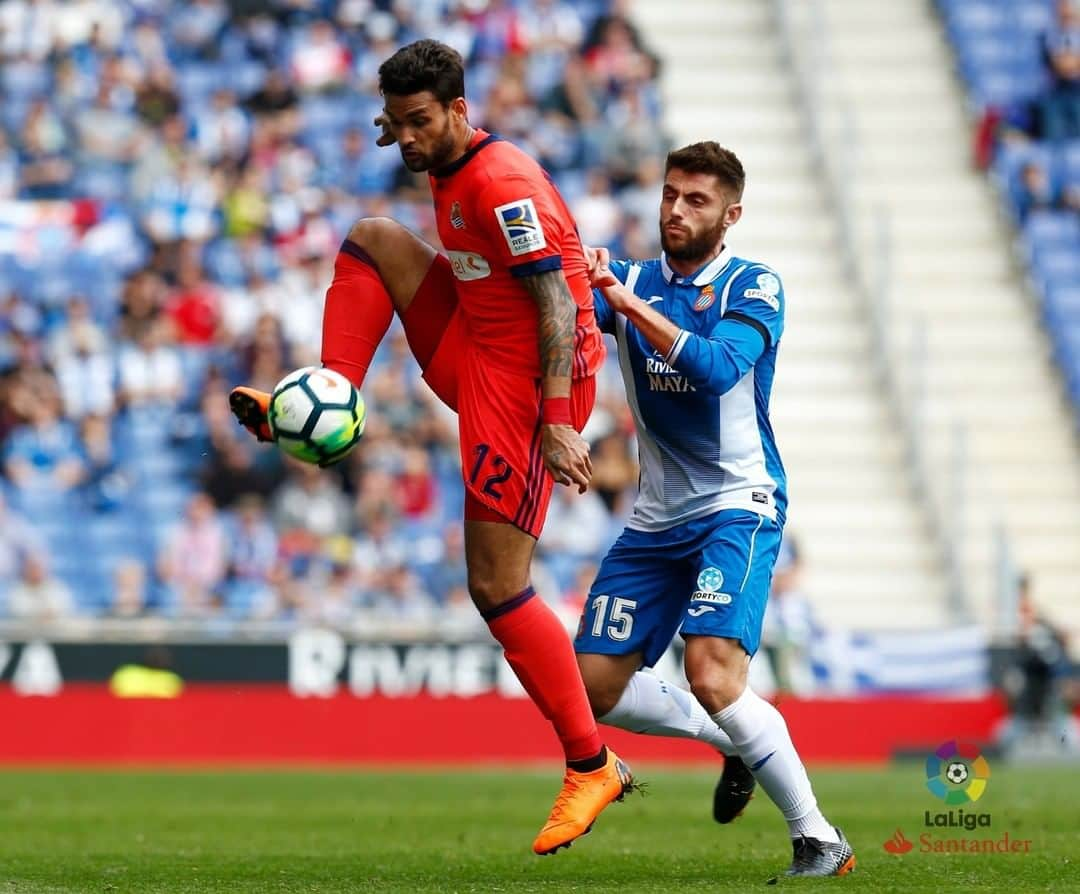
{"type": "Point", "coordinates": [705, 275]}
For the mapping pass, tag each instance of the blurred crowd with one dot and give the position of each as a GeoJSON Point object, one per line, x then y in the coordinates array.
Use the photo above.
{"type": "Point", "coordinates": [175, 179]}
{"type": "Point", "coordinates": [1021, 62]}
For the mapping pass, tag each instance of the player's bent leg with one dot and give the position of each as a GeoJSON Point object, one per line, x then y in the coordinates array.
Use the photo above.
{"type": "Point", "coordinates": [716, 668]}
{"type": "Point", "coordinates": [382, 267]}
{"type": "Point", "coordinates": [641, 702]}
{"type": "Point", "coordinates": [538, 649]}
{"type": "Point", "coordinates": [419, 283]}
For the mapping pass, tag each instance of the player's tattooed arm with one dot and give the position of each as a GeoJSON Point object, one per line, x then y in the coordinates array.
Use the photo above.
{"type": "Point", "coordinates": [566, 454]}
{"type": "Point", "coordinates": [558, 320]}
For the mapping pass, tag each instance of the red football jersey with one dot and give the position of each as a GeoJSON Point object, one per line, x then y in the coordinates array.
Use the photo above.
{"type": "Point", "coordinates": [500, 218]}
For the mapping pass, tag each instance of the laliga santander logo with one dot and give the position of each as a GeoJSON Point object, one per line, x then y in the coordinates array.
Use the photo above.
{"type": "Point", "coordinates": [957, 772]}
{"type": "Point", "coordinates": [898, 844]}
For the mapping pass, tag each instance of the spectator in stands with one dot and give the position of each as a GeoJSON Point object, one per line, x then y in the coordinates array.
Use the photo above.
{"type": "Point", "coordinates": [195, 559]}
{"type": "Point", "coordinates": [577, 530]}
{"type": "Point", "coordinates": [597, 212]}
{"type": "Point", "coordinates": [231, 473]}
{"type": "Point", "coordinates": [150, 372]}
{"type": "Point", "coordinates": [44, 454]}
{"type": "Point", "coordinates": [85, 371]}
{"type": "Point", "coordinates": [615, 472]}
{"type": "Point", "coordinates": [197, 24]}
{"type": "Point", "coordinates": [379, 546]}
{"type": "Point", "coordinates": [789, 625]}
{"type": "Point", "coordinates": [1033, 681]}
{"type": "Point", "coordinates": [222, 130]}
{"type": "Point", "coordinates": [108, 483]}
{"type": "Point", "coordinates": [415, 486]}
{"type": "Point", "coordinates": [333, 596]}
{"type": "Point", "coordinates": [275, 106]}
{"type": "Point", "coordinates": [157, 132]}
{"type": "Point", "coordinates": [1060, 107]}
{"type": "Point", "coordinates": [18, 543]}
{"type": "Point", "coordinates": [156, 99]}
{"type": "Point", "coordinates": [253, 546]}
{"type": "Point", "coordinates": [45, 168]}
{"type": "Point", "coordinates": [252, 557]}
{"type": "Point", "coordinates": [576, 594]}
{"type": "Point", "coordinates": [320, 61]}
{"type": "Point", "coordinates": [194, 305]}
{"type": "Point", "coordinates": [106, 133]}
{"type": "Point", "coordinates": [9, 168]}
{"type": "Point", "coordinates": [400, 598]}
{"type": "Point", "coordinates": [310, 500]}
{"type": "Point", "coordinates": [458, 616]}
{"type": "Point", "coordinates": [38, 596]}
{"type": "Point", "coordinates": [449, 572]}
{"type": "Point", "coordinates": [131, 594]}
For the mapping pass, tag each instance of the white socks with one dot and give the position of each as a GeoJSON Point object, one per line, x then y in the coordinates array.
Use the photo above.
{"type": "Point", "coordinates": [761, 736]}
{"type": "Point", "coordinates": [651, 706]}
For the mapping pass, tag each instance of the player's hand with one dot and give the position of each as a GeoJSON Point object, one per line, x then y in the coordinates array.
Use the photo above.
{"type": "Point", "coordinates": [385, 138]}
{"type": "Point", "coordinates": [617, 295]}
{"type": "Point", "coordinates": [566, 456]}
{"type": "Point", "coordinates": [597, 259]}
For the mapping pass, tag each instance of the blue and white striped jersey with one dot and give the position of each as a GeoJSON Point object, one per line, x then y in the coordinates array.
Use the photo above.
{"type": "Point", "coordinates": [702, 412]}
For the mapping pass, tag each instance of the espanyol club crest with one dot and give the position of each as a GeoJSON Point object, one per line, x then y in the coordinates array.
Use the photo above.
{"type": "Point", "coordinates": [456, 219]}
{"type": "Point", "coordinates": [705, 298]}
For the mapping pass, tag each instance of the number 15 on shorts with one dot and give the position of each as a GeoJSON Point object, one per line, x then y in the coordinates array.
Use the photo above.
{"type": "Point", "coordinates": [620, 623]}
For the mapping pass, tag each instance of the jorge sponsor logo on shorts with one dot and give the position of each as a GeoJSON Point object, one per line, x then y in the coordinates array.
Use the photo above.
{"type": "Point", "coordinates": [718, 598]}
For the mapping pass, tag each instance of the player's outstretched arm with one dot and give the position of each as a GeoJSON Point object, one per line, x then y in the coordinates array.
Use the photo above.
{"type": "Point", "coordinates": [658, 330]}
{"type": "Point", "coordinates": [712, 364]}
{"type": "Point", "coordinates": [566, 454]}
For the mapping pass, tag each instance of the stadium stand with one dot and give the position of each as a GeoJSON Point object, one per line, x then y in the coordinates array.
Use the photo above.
{"type": "Point", "coordinates": [963, 329]}
{"type": "Point", "coordinates": [859, 521]}
{"type": "Point", "coordinates": [174, 181]}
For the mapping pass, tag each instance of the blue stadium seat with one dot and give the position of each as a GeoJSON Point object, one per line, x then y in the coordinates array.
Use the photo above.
{"type": "Point", "coordinates": [1059, 229]}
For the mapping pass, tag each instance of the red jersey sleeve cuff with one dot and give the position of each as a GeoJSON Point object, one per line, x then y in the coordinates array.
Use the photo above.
{"type": "Point", "coordinates": [541, 265]}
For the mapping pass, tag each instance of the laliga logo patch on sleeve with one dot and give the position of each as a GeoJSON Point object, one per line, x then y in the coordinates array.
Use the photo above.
{"type": "Point", "coordinates": [769, 284]}
{"type": "Point", "coordinates": [520, 225]}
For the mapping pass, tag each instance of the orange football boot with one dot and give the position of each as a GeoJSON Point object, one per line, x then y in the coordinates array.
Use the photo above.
{"type": "Point", "coordinates": [579, 803]}
{"type": "Point", "coordinates": [250, 407]}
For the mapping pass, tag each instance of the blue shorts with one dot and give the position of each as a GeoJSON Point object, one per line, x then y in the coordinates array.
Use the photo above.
{"type": "Point", "coordinates": [709, 577]}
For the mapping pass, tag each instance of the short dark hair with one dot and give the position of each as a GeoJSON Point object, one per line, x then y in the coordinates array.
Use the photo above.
{"type": "Point", "coordinates": [709, 158]}
{"type": "Point", "coordinates": [424, 65]}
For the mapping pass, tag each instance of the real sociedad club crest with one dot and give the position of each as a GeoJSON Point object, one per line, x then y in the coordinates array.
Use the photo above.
{"type": "Point", "coordinates": [456, 219]}
{"type": "Point", "coordinates": [705, 298]}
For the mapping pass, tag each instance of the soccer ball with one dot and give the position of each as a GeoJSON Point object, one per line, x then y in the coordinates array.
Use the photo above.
{"type": "Point", "coordinates": [316, 415]}
{"type": "Point", "coordinates": [956, 773]}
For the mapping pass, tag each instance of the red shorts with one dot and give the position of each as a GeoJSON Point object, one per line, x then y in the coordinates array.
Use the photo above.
{"type": "Point", "coordinates": [498, 411]}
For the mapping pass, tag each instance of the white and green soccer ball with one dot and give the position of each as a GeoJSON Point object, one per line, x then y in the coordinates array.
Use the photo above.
{"type": "Point", "coordinates": [316, 415]}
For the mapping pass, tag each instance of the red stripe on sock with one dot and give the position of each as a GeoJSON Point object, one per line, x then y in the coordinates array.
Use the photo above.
{"type": "Point", "coordinates": [538, 649]}
{"type": "Point", "coordinates": [356, 316]}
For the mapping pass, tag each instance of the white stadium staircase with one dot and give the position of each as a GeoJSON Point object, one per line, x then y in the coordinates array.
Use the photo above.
{"type": "Point", "coordinates": [872, 558]}
{"type": "Point", "coordinates": [1004, 464]}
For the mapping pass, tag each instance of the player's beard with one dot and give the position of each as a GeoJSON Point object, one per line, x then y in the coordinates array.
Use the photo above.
{"type": "Point", "coordinates": [697, 246]}
{"type": "Point", "coordinates": [439, 156]}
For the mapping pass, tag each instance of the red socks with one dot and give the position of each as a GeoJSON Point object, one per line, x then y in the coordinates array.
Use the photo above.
{"type": "Point", "coordinates": [356, 315]}
{"type": "Point", "coordinates": [539, 651]}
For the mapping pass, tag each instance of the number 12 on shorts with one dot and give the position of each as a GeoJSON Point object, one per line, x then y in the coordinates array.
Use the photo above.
{"type": "Point", "coordinates": [621, 621]}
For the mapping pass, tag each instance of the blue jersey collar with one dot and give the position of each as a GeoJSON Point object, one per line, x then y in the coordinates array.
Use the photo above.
{"type": "Point", "coordinates": [702, 277]}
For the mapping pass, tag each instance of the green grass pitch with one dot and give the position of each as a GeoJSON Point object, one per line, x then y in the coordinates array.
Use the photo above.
{"type": "Point", "coordinates": [462, 831]}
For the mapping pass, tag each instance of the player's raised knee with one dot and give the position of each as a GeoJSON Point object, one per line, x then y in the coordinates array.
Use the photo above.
{"type": "Point", "coordinates": [378, 236]}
